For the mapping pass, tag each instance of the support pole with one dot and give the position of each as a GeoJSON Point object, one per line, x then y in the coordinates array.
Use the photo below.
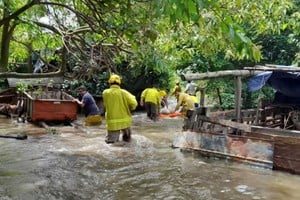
{"type": "Point", "coordinates": [238, 98]}
{"type": "Point", "coordinates": [202, 96]}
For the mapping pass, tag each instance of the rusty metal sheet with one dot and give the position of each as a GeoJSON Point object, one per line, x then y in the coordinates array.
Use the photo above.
{"type": "Point", "coordinates": [237, 147]}
{"type": "Point", "coordinates": [50, 109]}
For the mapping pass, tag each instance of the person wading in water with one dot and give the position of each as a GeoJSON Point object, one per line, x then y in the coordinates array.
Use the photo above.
{"type": "Point", "coordinates": [151, 98]}
{"type": "Point", "coordinates": [118, 104]}
{"type": "Point", "coordinates": [90, 108]}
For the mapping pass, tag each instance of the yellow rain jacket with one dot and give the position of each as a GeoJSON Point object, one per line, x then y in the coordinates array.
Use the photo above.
{"type": "Point", "coordinates": [151, 95]}
{"type": "Point", "coordinates": [186, 101]}
{"type": "Point", "coordinates": [118, 105]}
{"type": "Point", "coordinates": [196, 100]}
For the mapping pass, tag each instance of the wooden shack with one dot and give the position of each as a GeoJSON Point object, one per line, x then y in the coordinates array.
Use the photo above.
{"type": "Point", "coordinates": [268, 135]}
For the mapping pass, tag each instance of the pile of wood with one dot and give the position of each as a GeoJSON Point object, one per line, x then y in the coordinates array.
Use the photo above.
{"type": "Point", "coordinates": [8, 109]}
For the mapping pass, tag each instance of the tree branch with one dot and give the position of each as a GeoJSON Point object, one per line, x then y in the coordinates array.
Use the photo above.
{"type": "Point", "coordinates": [18, 12]}
{"type": "Point", "coordinates": [52, 28]}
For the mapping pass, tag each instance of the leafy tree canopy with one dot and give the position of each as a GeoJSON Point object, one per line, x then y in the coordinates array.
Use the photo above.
{"type": "Point", "coordinates": [158, 35]}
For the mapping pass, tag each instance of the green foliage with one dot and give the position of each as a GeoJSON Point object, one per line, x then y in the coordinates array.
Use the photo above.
{"type": "Point", "coordinates": [23, 87]}
{"type": "Point", "coordinates": [228, 101]}
{"type": "Point", "coordinates": [3, 83]}
{"type": "Point", "coordinates": [201, 63]}
{"type": "Point", "coordinates": [218, 25]}
{"type": "Point", "coordinates": [254, 99]}
{"type": "Point", "coordinates": [221, 89]}
{"type": "Point", "coordinates": [208, 26]}
{"type": "Point", "coordinates": [137, 80]}
{"type": "Point", "coordinates": [95, 86]}
{"type": "Point", "coordinates": [37, 88]}
{"type": "Point", "coordinates": [279, 49]}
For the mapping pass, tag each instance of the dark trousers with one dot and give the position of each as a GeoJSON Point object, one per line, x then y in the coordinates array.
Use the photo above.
{"type": "Point", "coordinates": [113, 136]}
{"type": "Point", "coordinates": [151, 109]}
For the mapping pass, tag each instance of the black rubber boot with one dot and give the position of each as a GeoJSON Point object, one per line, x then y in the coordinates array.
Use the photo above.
{"type": "Point", "coordinates": [126, 137]}
{"type": "Point", "coordinates": [109, 142]}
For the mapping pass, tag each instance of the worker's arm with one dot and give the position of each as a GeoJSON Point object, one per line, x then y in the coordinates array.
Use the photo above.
{"type": "Point", "coordinates": [158, 100]}
{"type": "Point", "coordinates": [180, 99]}
{"type": "Point", "coordinates": [143, 97]}
{"type": "Point", "coordinates": [132, 103]}
{"type": "Point", "coordinates": [80, 103]}
{"type": "Point", "coordinates": [187, 88]}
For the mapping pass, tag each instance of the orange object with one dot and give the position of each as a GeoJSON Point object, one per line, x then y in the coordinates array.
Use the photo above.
{"type": "Point", "coordinates": [174, 114]}
{"type": "Point", "coordinates": [163, 115]}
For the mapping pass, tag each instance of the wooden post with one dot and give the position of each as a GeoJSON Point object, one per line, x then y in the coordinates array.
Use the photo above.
{"type": "Point", "coordinates": [202, 96]}
{"type": "Point", "coordinates": [220, 98]}
{"type": "Point", "coordinates": [238, 98]}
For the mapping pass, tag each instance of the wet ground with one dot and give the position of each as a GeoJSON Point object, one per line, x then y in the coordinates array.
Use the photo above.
{"type": "Point", "coordinates": [63, 162]}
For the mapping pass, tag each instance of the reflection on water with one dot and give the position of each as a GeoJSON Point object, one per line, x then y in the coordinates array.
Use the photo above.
{"type": "Point", "coordinates": [78, 164]}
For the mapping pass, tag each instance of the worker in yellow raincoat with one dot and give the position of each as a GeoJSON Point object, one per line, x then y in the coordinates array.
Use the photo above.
{"type": "Point", "coordinates": [177, 87]}
{"type": "Point", "coordinates": [184, 100]}
{"type": "Point", "coordinates": [150, 98]}
{"type": "Point", "coordinates": [118, 104]}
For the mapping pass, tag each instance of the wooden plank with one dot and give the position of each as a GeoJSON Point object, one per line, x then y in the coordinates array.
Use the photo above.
{"type": "Point", "coordinates": [7, 95]}
{"type": "Point", "coordinates": [13, 134]}
{"type": "Point", "coordinates": [270, 67]}
{"type": "Point", "coordinates": [275, 131]}
{"type": "Point", "coordinates": [236, 125]}
{"type": "Point", "coordinates": [218, 74]}
{"type": "Point", "coordinates": [251, 129]}
{"type": "Point", "coordinates": [287, 154]}
{"type": "Point", "coordinates": [249, 119]}
{"type": "Point", "coordinates": [247, 71]}
{"type": "Point", "coordinates": [237, 157]}
{"type": "Point", "coordinates": [12, 82]}
{"type": "Point", "coordinates": [17, 137]}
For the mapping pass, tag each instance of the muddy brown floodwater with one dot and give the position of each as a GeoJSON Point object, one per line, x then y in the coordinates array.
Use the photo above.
{"type": "Point", "coordinates": [76, 164]}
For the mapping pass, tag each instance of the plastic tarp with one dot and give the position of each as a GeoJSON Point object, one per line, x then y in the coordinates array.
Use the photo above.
{"type": "Point", "coordinates": [286, 85]}
{"type": "Point", "coordinates": [258, 81]}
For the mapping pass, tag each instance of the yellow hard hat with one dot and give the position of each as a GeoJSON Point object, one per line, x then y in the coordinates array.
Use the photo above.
{"type": "Point", "coordinates": [114, 79]}
{"type": "Point", "coordinates": [162, 93]}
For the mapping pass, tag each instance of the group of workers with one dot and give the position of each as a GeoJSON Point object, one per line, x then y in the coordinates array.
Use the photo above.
{"type": "Point", "coordinates": [119, 103]}
{"type": "Point", "coordinates": [154, 99]}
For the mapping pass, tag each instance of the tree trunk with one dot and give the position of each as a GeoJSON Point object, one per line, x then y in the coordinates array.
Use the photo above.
{"type": "Point", "coordinates": [7, 32]}
{"type": "Point", "coordinates": [4, 48]}
{"type": "Point", "coordinates": [64, 60]}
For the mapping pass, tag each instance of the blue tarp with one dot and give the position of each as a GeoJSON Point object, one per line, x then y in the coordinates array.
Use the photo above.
{"type": "Point", "coordinates": [286, 85]}
{"type": "Point", "coordinates": [258, 81]}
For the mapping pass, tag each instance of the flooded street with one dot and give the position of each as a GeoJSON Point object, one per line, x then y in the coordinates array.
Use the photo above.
{"type": "Point", "coordinates": [76, 163]}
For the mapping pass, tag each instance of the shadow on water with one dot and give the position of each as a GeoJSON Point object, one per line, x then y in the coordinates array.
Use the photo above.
{"type": "Point", "coordinates": [78, 164]}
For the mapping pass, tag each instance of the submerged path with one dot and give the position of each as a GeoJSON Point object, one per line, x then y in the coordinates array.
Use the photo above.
{"type": "Point", "coordinates": [78, 164]}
